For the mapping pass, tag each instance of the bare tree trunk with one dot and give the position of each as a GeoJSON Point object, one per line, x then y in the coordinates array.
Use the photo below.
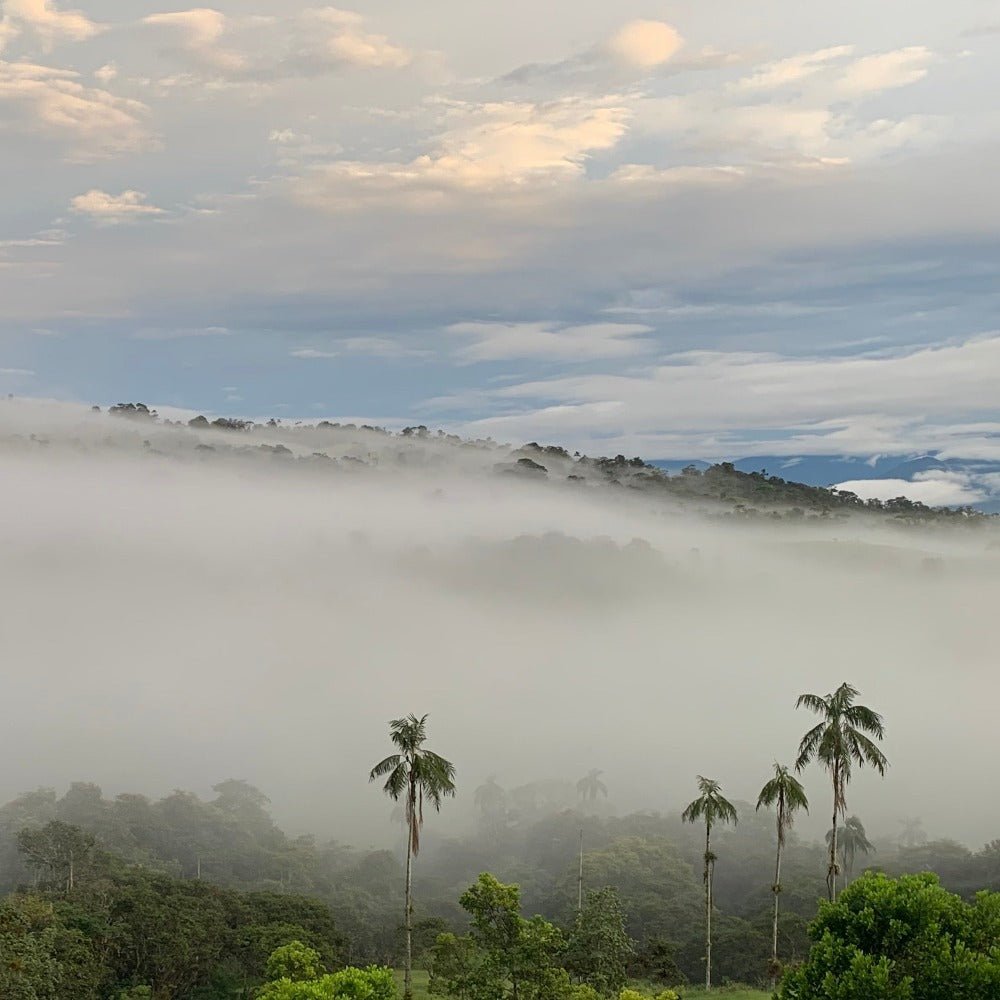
{"type": "Point", "coordinates": [708, 908]}
{"type": "Point", "coordinates": [831, 875]}
{"type": "Point", "coordinates": [579, 904]}
{"type": "Point", "coordinates": [408, 967]}
{"type": "Point", "coordinates": [776, 889]}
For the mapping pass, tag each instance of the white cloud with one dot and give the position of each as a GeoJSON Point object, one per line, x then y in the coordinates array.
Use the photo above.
{"type": "Point", "coordinates": [258, 50]}
{"type": "Point", "coordinates": [886, 71]}
{"type": "Point", "coordinates": [854, 405]}
{"type": "Point", "coordinates": [645, 44]}
{"type": "Point", "coordinates": [48, 22]}
{"type": "Point", "coordinates": [311, 353]}
{"type": "Point", "coordinates": [644, 177]}
{"type": "Point", "coordinates": [784, 72]}
{"type": "Point", "coordinates": [198, 32]}
{"type": "Point", "coordinates": [106, 74]}
{"type": "Point", "coordinates": [43, 100]}
{"type": "Point", "coordinates": [811, 131]}
{"type": "Point", "coordinates": [18, 372]}
{"type": "Point", "coordinates": [347, 41]}
{"type": "Point", "coordinates": [368, 346]}
{"type": "Point", "coordinates": [111, 209]}
{"type": "Point", "coordinates": [934, 489]}
{"type": "Point", "coordinates": [496, 145]}
{"type": "Point", "coordinates": [550, 341]}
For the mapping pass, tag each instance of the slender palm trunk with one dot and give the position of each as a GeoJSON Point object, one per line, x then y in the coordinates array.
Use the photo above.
{"type": "Point", "coordinates": [831, 875]}
{"type": "Point", "coordinates": [776, 889]}
{"type": "Point", "coordinates": [708, 907]}
{"type": "Point", "coordinates": [408, 923]}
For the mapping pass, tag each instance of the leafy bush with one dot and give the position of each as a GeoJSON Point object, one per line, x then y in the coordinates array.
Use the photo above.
{"type": "Point", "coordinates": [901, 939]}
{"type": "Point", "coordinates": [372, 983]}
{"type": "Point", "coordinates": [294, 961]}
{"type": "Point", "coordinates": [297, 976]}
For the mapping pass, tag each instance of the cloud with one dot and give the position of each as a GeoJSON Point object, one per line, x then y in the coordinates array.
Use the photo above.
{"type": "Point", "coordinates": [50, 24]}
{"type": "Point", "coordinates": [311, 353]}
{"type": "Point", "coordinates": [198, 32]}
{"type": "Point", "coordinates": [181, 333]}
{"type": "Point", "coordinates": [50, 102]}
{"type": "Point", "coordinates": [106, 74]}
{"type": "Point", "coordinates": [550, 341]}
{"type": "Point", "coordinates": [110, 209]}
{"type": "Point", "coordinates": [640, 48]}
{"type": "Point", "coordinates": [18, 372]}
{"type": "Point", "coordinates": [503, 144]}
{"type": "Point", "coordinates": [645, 44]}
{"type": "Point", "coordinates": [373, 347]}
{"type": "Point", "coordinates": [855, 405]}
{"type": "Point", "coordinates": [8, 32]}
{"type": "Point", "coordinates": [262, 50]}
{"type": "Point", "coordinates": [810, 130]}
{"type": "Point", "coordinates": [784, 72]}
{"type": "Point", "coordinates": [346, 41]}
{"type": "Point", "coordinates": [885, 71]}
{"type": "Point", "coordinates": [938, 489]}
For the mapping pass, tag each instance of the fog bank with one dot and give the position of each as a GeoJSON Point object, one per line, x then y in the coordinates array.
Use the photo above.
{"type": "Point", "coordinates": [175, 613]}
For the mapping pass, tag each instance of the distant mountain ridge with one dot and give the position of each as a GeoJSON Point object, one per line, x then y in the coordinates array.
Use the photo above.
{"type": "Point", "coordinates": [830, 470]}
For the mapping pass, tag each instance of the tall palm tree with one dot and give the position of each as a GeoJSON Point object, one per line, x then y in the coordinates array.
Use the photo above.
{"type": "Point", "coordinates": [413, 774]}
{"type": "Point", "coordinates": [590, 785]}
{"type": "Point", "coordinates": [711, 807]}
{"type": "Point", "coordinates": [837, 743]}
{"type": "Point", "coordinates": [853, 841]}
{"type": "Point", "coordinates": [785, 792]}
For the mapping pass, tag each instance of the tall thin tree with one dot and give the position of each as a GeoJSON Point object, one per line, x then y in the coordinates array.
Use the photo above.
{"type": "Point", "coordinates": [853, 841]}
{"type": "Point", "coordinates": [413, 774]}
{"type": "Point", "coordinates": [711, 807]}
{"type": "Point", "coordinates": [590, 785]}
{"type": "Point", "coordinates": [785, 792]}
{"type": "Point", "coordinates": [846, 736]}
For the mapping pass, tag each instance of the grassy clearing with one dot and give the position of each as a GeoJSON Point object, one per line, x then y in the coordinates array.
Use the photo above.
{"type": "Point", "coordinates": [722, 992]}
{"type": "Point", "coordinates": [419, 984]}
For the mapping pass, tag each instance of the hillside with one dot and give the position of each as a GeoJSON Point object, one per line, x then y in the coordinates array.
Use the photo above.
{"type": "Point", "coordinates": [720, 490]}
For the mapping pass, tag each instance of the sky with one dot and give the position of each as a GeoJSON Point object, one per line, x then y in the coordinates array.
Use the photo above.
{"type": "Point", "coordinates": [688, 229]}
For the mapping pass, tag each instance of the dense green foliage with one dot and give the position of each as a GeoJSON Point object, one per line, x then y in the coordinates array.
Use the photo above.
{"type": "Point", "coordinates": [528, 835]}
{"type": "Point", "coordinates": [294, 973]}
{"type": "Point", "coordinates": [599, 950]}
{"type": "Point", "coordinates": [504, 955]}
{"type": "Point", "coordinates": [903, 939]}
{"type": "Point", "coordinates": [122, 928]}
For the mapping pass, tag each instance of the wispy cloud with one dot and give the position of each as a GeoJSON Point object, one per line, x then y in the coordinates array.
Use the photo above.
{"type": "Point", "coordinates": [52, 103]}
{"type": "Point", "coordinates": [550, 341]}
{"type": "Point", "coordinates": [110, 210]}
{"type": "Point", "coordinates": [46, 20]}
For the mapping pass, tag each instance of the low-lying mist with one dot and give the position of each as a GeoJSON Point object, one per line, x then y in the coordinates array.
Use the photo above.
{"type": "Point", "coordinates": [175, 612]}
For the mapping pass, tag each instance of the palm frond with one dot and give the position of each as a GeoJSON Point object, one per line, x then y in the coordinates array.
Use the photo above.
{"type": "Point", "coordinates": [865, 751]}
{"type": "Point", "coordinates": [815, 702]}
{"type": "Point", "coordinates": [865, 719]}
{"type": "Point", "coordinates": [809, 745]}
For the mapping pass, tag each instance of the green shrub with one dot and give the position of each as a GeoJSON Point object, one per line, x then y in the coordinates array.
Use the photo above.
{"type": "Point", "coordinates": [294, 961]}
{"type": "Point", "coordinates": [900, 939]}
